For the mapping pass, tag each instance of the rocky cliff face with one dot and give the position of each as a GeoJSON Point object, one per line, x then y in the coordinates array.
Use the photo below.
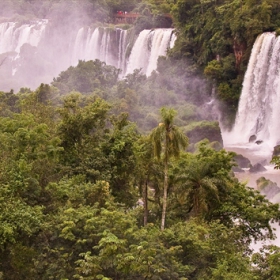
{"type": "Point", "coordinates": [239, 50]}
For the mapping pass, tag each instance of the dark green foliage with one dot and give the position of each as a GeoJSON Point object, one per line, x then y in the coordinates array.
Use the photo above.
{"type": "Point", "coordinates": [174, 85]}
{"type": "Point", "coordinates": [266, 262]}
{"type": "Point", "coordinates": [219, 36]}
{"type": "Point", "coordinates": [198, 131]}
{"type": "Point", "coordinates": [8, 102]}
{"type": "Point", "coordinates": [63, 176]}
{"type": "Point", "coordinates": [87, 77]}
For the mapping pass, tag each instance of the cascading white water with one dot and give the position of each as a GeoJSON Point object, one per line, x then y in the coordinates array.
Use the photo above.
{"type": "Point", "coordinates": [92, 46]}
{"type": "Point", "coordinates": [12, 37]}
{"type": "Point", "coordinates": [110, 46]}
{"type": "Point", "coordinates": [172, 40]}
{"type": "Point", "coordinates": [160, 43]}
{"type": "Point", "coordinates": [259, 106]}
{"type": "Point", "coordinates": [149, 45]}
{"type": "Point", "coordinates": [57, 50]}
{"type": "Point", "coordinates": [122, 49]}
{"type": "Point", "coordinates": [6, 35]}
{"type": "Point", "coordinates": [100, 43]}
{"type": "Point", "coordinates": [78, 50]}
{"type": "Point", "coordinates": [140, 53]}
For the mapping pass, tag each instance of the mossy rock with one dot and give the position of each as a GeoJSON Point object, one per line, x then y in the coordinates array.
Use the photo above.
{"type": "Point", "coordinates": [194, 147]}
{"type": "Point", "coordinates": [258, 167]}
{"type": "Point", "coordinates": [198, 131]}
{"type": "Point", "coordinates": [242, 161]}
{"type": "Point", "coordinates": [276, 151]}
{"type": "Point", "coordinates": [252, 138]}
{"type": "Point", "coordinates": [262, 183]}
{"type": "Point", "coordinates": [267, 187]}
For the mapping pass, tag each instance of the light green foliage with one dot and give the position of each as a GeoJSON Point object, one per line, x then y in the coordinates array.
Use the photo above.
{"type": "Point", "coordinates": [138, 95]}
{"type": "Point", "coordinates": [29, 154]}
{"type": "Point", "coordinates": [267, 261]}
{"type": "Point", "coordinates": [149, 174]}
{"type": "Point", "coordinates": [17, 219]}
{"type": "Point", "coordinates": [264, 184]}
{"type": "Point", "coordinates": [276, 161]}
{"type": "Point", "coordinates": [80, 117]}
{"type": "Point", "coordinates": [86, 222]}
{"type": "Point", "coordinates": [55, 10]}
{"type": "Point", "coordinates": [86, 126]}
{"type": "Point", "coordinates": [205, 245]}
{"type": "Point", "coordinates": [82, 126]}
{"type": "Point", "coordinates": [8, 102]}
{"type": "Point", "coordinates": [83, 233]}
{"type": "Point", "coordinates": [168, 133]}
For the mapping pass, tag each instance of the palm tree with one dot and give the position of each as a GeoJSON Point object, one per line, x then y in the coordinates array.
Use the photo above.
{"type": "Point", "coordinates": [167, 140]}
{"type": "Point", "coordinates": [202, 189]}
{"type": "Point", "coordinates": [200, 185]}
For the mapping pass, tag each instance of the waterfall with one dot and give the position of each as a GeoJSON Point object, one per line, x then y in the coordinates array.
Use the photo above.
{"type": "Point", "coordinates": [100, 43]}
{"type": "Point", "coordinates": [92, 46]}
{"type": "Point", "coordinates": [259, 105]}
{"type": "Point", "coordinates": [78, 50]}
{"type": "Point", "coordinates": [6, 35]}
{"type": "Point", "coordinates": [160, 42]}
{"type": "Point", "coordinates": [110, 46]}
{"type": "Point", "coordinates": [122, 49]}
{"type": "Point", "coordinates": [51, 50]}
{"type": "Point", "coordinates": [149, 45]}
{"type": "Point", "coordinates": [13, 37]}
{"type": "Point", "coordinates": [139, 54]}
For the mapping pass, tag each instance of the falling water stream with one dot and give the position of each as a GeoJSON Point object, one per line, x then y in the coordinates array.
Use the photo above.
{"type": "Point", "coordinates": [114, 46]}
{"type": "Point", "coordinates": [259, 106]}
{"type": "Point", "coordinates": [258, 113]}
{"type": "Point", "coordinates": [12, 36]}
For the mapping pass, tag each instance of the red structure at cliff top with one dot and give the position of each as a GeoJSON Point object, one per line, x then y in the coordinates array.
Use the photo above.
{"type": "Point", "coordinates": [124, 17]}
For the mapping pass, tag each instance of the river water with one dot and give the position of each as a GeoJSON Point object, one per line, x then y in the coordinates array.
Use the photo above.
{"type": "Point", "coordinates": [257, 154]}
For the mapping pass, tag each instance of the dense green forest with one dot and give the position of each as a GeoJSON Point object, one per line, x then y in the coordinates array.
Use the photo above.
{"type": "Point", "coordinates": [83, 190]}
{"type": "Point", "coordinates": [102, 178]}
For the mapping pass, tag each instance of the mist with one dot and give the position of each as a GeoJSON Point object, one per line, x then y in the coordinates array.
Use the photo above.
{"type": "Point", "coordinates": [37, 38]}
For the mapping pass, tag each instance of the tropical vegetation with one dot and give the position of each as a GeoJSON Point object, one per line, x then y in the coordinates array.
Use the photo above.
{"type": "Point", "coordinates": [88, 194]}
{"type": "Point", "coordinates": [98, 177]}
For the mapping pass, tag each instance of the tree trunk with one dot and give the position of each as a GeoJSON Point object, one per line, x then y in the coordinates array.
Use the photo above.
{"type": "Point", "coordinates": [164, 200]}
{"type": "Point", "coordinates": [145, 198]}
